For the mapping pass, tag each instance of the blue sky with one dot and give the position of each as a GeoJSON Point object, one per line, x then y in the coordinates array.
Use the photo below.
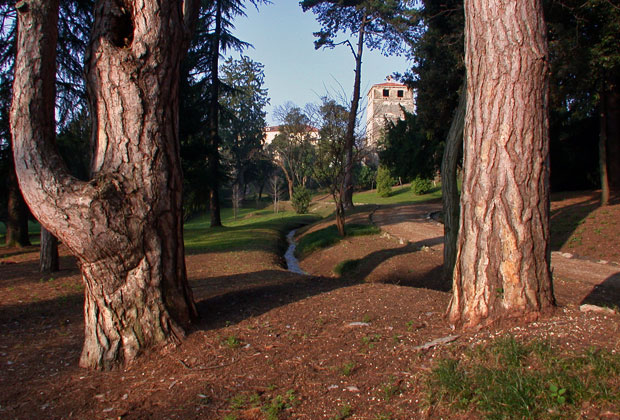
{"type": "Point", "coordinates": [294, 71]}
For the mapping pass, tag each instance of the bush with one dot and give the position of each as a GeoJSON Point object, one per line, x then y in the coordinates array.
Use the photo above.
{"type": "Point", "coordinates": [421, 186]}
{"type": "Point", "coordinates": [384, 182]}
{"type": "Point", "coordinates": [301, 200]}
{"type": "Point", "coordinates": [366, 177]}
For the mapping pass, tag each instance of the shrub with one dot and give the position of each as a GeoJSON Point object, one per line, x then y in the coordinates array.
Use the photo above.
{"type": "Point", "coordinates": [301, 200]}
{"type": "Point", "coordinates": [421, 186]}
{"type": "Point", "coordinates": [384, 182]}
{"type": "Point", "coordinates": [366, 177]}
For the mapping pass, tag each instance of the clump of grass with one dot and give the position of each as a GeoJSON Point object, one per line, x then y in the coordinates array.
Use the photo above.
{"type": "Point", "coordinates": [345, 267]}
{"type": "Point", "coordinates": [390, 389]}
{"type": "Point", "coordinates": [232, 342]}
{"type": "Point", "coordinates": [510, 379]}
{"type": "Point", "coordinates": [344, 413]}
{"type": "Point", "coordinates": [329, 236]}
{"type": "Point", "coordinates": [347, 368]}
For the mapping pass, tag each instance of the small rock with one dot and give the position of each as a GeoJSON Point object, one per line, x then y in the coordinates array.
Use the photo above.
{"type": "Point", "coordinates": [567, 255]}
{"type": "Point", "coordinates": [107, 410]}
{"type": "Point", "coordinates": [125, 396]}
{"type": "Point", "coordinates": [359, 324]}
{"type": "Point", "coordinates": [203, 396]}
{"type": "Point", "coordinates": [353, 388]}
{"type": "Point", "coordinates": [437, 342]}
{"type": "Point", "coordinates": [329, 388]}
{"type": "Point", "coordinates": [598, 309]}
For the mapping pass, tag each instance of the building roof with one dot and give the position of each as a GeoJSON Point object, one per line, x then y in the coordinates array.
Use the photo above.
{"type": "Point", "coordinates": [387, 84]}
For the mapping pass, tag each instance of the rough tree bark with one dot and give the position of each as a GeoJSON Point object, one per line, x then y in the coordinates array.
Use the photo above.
{"type": "Point", "coordinates": [125, 225]}
{"type": "Point", "coordinates": [349, 138]}
{"type": "Point", "coordinates": [48, 254]}
{"type": "Point", "coordinates": [502, 267]}
{"type": "Point", "coordinates": [449, 187]}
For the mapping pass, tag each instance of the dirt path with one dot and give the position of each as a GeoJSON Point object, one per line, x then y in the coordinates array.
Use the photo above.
{"type": "Point", "coordinates": [411, 223]}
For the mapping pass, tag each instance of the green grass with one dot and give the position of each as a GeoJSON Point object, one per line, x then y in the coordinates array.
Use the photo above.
{"type": "Point", "coordinates": [254, 230]}
{"type": "Point", "coordinates": [346, 266]}
{"type": "Point", "coordinates": [329, 236]}
{"type": "Point", "coordinates": [400, 195]}
{"type": "Point", "coordinates": [508, 379]}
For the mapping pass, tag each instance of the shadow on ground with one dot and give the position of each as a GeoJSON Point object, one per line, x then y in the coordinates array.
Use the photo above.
{"type": "Point", "coordinates": [606, 294]}
{"type": "Point", "coordinates": [565, 220]}
{"type": "Point", "coordinates": [253, 294]}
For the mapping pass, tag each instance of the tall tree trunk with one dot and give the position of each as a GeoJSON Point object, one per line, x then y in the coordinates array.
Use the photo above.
{"type": "Point", "coordinates": [612, 134]}
{"type": "Point", "coordinates": [48, 254]}
{"type": "Point", "coordinates": [502, 268]}
{"type": "Point", "coordinates": [349, 139]}
{"type": "Point", "coordinates": [213, 121]}
{"type": "Point", "coordinates": [602, 149]}
{"type": "Point", "coordinates": [17, 212]}
{"type": "Point", "coordinates": [125, 225]}
{"type": "Point", "coordinates": [449, 187]}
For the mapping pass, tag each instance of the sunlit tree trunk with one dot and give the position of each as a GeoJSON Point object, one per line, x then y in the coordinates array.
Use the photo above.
{"type": "Point", "coordinates": [502, 266]}
{"type": "Point", "coordinates": [125, 225]}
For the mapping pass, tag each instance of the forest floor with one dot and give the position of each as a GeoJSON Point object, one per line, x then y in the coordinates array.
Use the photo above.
{"type": "Point", "coordinates": [277, 345]}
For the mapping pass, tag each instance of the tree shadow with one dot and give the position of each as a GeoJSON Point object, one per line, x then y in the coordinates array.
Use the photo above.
{"type": "Point", "coordinates": [253, 294]}
{"type": "Point", "coordinates": [565, 220]}
{"type": "Point", "coordinates": [605, 294]}
{"type": "Point", "coordinates": [426, 277]}
{"type": "Point", "coordinates": [28, 272]}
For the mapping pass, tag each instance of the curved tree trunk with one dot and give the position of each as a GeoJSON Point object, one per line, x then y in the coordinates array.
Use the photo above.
{"type": "Point", "coordinates": [48, 254]}
{"type": "Point", "coordinates": [125, 225]}
{"type": "Point", "coordinates": [602, 150]}
{"type": "Point", "coordinates": [349, 139]}
{"type": "Point", "coordinates": [449, 187]}
{"type": "Point", "coordinates": [502, 267]}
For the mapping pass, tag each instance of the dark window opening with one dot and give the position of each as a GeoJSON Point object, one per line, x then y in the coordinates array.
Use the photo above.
{"type": "Point", "coordinates": [386, 93]}
{"type": "Point", "coordinates": [401, 93]}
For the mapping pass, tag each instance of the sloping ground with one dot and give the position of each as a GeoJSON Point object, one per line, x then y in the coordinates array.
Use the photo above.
{"type": "Point", "coordinates": [273, 344]}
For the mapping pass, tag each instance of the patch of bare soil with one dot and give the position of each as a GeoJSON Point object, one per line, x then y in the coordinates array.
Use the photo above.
{"type": "Point", "coordinates": [271, 344]}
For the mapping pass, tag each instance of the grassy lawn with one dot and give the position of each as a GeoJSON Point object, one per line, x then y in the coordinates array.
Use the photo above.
{"type": "Point", "coordinates": [253, 230]}
{"type": "Point", "coordinates": [400, 195]}
{"type": "Point", "coordinates": [329, 236]}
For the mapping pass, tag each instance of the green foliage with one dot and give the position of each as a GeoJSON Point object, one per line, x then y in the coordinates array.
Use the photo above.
{"type": "Point", "coordinates": [406, 151]}
{"type": "Point", "coordinates": [511, 379]}
{"type": "Point", "coordinates": [329, 236]}
{"type": "Point", "coordinates": [384, 182]}
{"type": "Point", "coordinates": [301, 200]}
{"type": "Point", "coordinates": [365, 176]}
{"type": "Point", "coordinates": [420, 186]}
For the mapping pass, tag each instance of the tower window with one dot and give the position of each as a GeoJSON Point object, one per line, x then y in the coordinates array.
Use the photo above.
{"type": "Point", "coordinates": [386, 93]}
{"type": "Point", "coordinates": [400, 93]}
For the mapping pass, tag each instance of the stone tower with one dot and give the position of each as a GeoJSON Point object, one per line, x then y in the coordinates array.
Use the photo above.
{"type": "Point", "coordinates": [386, 101]}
